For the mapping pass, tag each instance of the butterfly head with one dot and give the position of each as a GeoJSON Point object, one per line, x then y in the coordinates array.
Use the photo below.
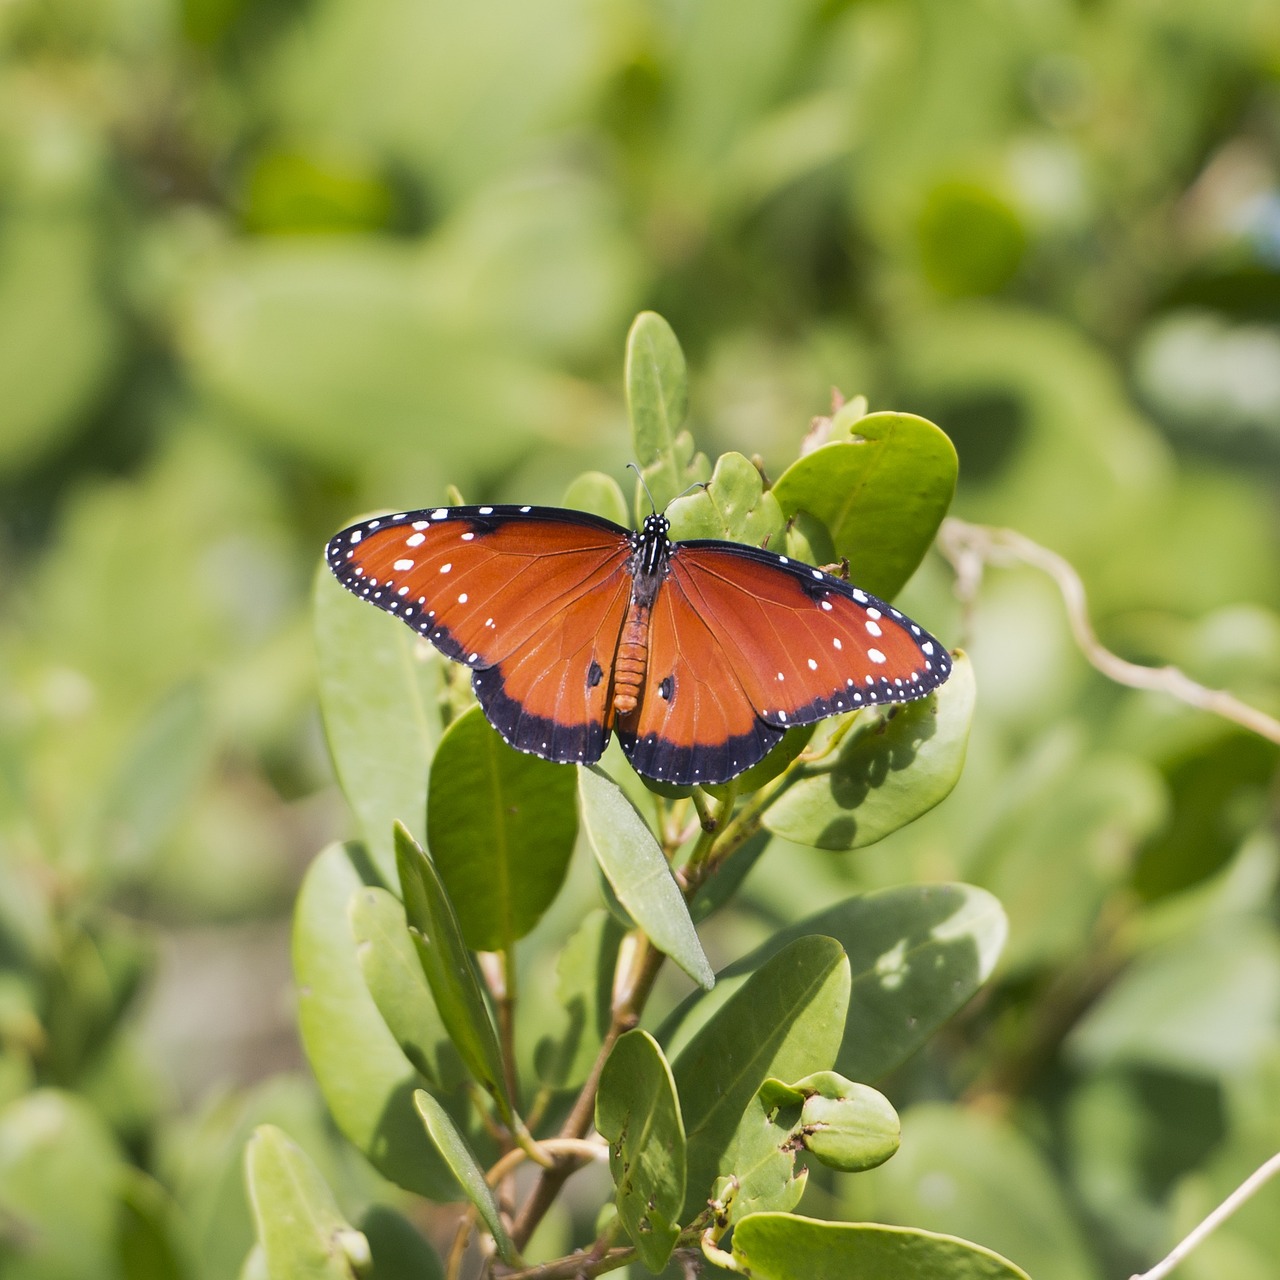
{"type": "Point", "coordinates": [652, 547]}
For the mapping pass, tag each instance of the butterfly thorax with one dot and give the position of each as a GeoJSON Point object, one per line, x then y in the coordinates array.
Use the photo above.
{"type": "Point", "coordinates": [648, 567]}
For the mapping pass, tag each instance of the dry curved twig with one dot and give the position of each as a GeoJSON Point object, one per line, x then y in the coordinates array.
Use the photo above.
{"type": "Point", "coordinates": [970, 547]}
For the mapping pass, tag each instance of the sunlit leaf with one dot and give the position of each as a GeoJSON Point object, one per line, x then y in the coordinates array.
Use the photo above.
{"type": "Point", "coordinates": [638, 1112]}
{"type": "Point", "coordinates": [453, 1147]}
{"type": "Point", "coordinates": [369, 1093]}
{"type": "Point", "coordinates": [895, 764]}
{"type": "Point", "coordinates": [380, 693]}
{"type": "Point", "coordinates": [449, 968]}
{"type": "Point", "coordinates": [882, 493]}
{"type": "Point", "coordinates": [785, 1021]}
{"type": "Point", "coordinates": [782, 1246]}
{"type": "Point", "coordinates": [501, 825]}
{"type": "Point", "coordinates": [632, 860]}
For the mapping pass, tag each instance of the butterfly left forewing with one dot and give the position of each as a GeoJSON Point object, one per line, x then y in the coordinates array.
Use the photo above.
{"type": "Point", "coordinates": [531, 599]}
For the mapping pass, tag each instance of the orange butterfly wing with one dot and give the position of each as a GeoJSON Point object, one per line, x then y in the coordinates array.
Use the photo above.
{"type": "Point", "coordinates": [532, 599]}
{"type": "Point", "coordinates": [745, 644]}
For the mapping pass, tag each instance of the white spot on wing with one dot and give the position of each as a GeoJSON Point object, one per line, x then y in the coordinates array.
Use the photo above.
{"type": "Point", "coordinates": [416, 541]}
{"type": "Point", "coordinates": [875, 655]}
{"type": "Point", "coordinates": [486, 511]}
{"type": "Point", "coordinates": [927, 647]}
{"type": "Point", "coordinates": [860, 596]}
{"type": "Point", "coordinates": [874, 613]}
{"type": "Point", "coordinates": [836, 643]}
{"type": "Point", "coordinates": [448, 564]}
{"type": "Point", "coordinates": [874, 629]}
{"type": "Point", "coordinates": [813, 666]}
{"type": "Point", "coordinates": [466, 537]}
{"type": "Point", "coordinates": [402, 565]}
{"type": "Point", "coordinates": [356, 536]}
{"type": "Point", "coordinates": [462, 598]}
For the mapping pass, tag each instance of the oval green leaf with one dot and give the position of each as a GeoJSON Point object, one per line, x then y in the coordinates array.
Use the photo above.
{"type": "Point", "coordinates": [917, 953]}
{"type": "Point", "coordinates": [733, 506]}
{"type": "Point", "coordinates": [895, 764]}
{"type": "Point", "coordinates": [369, 1090]}
{"type": "Point", "coordinates": [466, 1168]}
{"type": "Point", "coordinates": [783, 1246]}
{"type": "Point", "coordinates": [380, 691]}
{"type": "Point", "coordinates": [881, 493]}
{"type": "Point", "coordinates": [393, 974]}
{"type": "Point", "coordinates": [300, 1228]}
{"type": "Point", "coordinates": [638, 1112]}
{"type": "Point", "coordinates": [448, 966]}
{"type": "Point", "coordinates": [657, 384]}
{"type": "Point", "coordinates": [785, 1021]}
{"type": "Point", "coordinates": [632, 861]}
{"type": "Point", "coordinates": [849, 1126]}
{"type": "Point", "coordinates": [599, 494]}
{"type": "Point", "coordinates": [501, 826]}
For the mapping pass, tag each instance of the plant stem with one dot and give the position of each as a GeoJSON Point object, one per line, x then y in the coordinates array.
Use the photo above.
{"type": "Point", "coordinates": [626, 1013]}
{"type": "Point", "coordinates": [574, 1267]}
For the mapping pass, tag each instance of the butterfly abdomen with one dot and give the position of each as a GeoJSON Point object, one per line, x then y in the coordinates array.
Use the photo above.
{"type": "Point", "coordinates": [629, 666]}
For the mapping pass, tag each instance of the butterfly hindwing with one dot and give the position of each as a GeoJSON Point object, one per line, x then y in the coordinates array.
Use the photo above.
{"type": "Point", "coordinates": [532, 599]}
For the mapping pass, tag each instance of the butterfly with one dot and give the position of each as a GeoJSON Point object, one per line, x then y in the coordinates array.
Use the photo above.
{"type": "Point", "coordinates": [700, 655]}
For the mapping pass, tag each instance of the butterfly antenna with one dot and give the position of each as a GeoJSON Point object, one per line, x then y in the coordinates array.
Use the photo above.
{"type": "Point", "coordinates": [640, 476]}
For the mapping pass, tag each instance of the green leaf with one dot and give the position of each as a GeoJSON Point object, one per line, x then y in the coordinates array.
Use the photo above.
{"type": "Point", "coordinates": [389, 962]}
{"type": "Point", "coordinates": [59, 1170]}
{"type": "Point", "coordinates": [501, 826]}
{"type": "Point", "coordinates": [600, 494]}
{"type": "Point", "coordinates": [657, 401]}
{"type": "Point", "coordinates": [917, 953]}
{"type": "Point", "coordinates": [632, 861]}
{"type": "Point", "coordinates": [380, 689]}
{"type": "Point", "coordinates": [449, 968]}
{"type": "Point", "coordinates": [848, 1126]}
{"type": "Point", "coordinates": [785, 1021]}
{"type": "Point", "coordinates": [453, 1147]}
{"type": "Point", "coordinates": [895, 764]}
{"type": "Point", "coordinates": [302, 1232]}
{"type": "Point", "coordinates": [977, 1176]}
{"type": "Point", "coordinates": [733, 506]}
{"type": "Point", "coordinates": [783, 1246]}
{"type": "Point", "coordinates": [584, 989]}
{"type": "Point", "coordinates": [369, 1089]}
{"type": "Point", "coordinates": [638, 1112]}
{"type": "Point", "coordinates": [882, 494]}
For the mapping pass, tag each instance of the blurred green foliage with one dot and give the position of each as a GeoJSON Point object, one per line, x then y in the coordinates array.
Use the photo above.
{"type": "Point", "coordinates": [266, 263]}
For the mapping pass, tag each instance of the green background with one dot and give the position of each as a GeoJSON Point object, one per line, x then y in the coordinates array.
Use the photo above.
{"type": "Point", "coordinates": [265, 264]}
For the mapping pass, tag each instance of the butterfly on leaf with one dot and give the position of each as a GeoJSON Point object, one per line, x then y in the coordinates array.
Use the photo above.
{"type": "Point", "coordinates": [699, 655]}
